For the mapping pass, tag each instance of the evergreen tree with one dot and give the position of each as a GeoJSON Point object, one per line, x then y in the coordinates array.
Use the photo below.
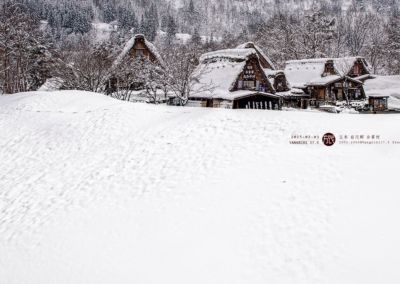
{"type": "Point", "coordinates": [393, 42]}
{"type": "Point", "coordinates": [149, 23]}
{"type": "Point", "coordinates": [171, 29]}
{"type": "Point", "coordinates": [190, 17]}
{"type": "Point", "coordinates": [191, 9]}
{"type": "Point", "coordinates": [25, 62]}
{"type": "Point", "coordinates": [196, 38]}
{"type": "Point", "coordinates": [109, 12]}
{"type": "Point", "coordinates": [127, 20]}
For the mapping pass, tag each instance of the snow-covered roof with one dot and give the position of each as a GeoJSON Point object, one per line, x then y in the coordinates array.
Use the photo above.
{"type": "Point", "coordinates": [130, 44]}
{"type": "Point", "coordinates": [323, 81]}
{"type": "Point", "coordinates": [231, 54]}
{"type": "Point", "coordinates": [259, 51]}
{"type": "Point", "coordinates": [297, 92]}
{"type": "Point", "coordinates": [377, 95]}
{"type": "Point", "coordinates": [294, 93]}
{"type": "Point", "coordinates": [344, 64]}
{"type": "Point", "coordinates": [301, 73]}
{"type": "Point", "coordinates": [365, 77]}
{"type": "Point", "coordinates": [240, 94]}
{"type": "Point", "coordinates": [216, 78]}
{"type": "Point", "coordinates": [270, 72]}
{"type": "Point", "coordinates": [272, 75]}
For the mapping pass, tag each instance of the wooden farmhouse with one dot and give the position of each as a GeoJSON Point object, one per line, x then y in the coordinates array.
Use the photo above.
{"type": "Point", "coordinates": [277, 77]}
{"type": "Point", "coordinates": [327, 81]}
{"type": "Point", "coordinates": [233, 78]}
{"type": "Point", "coordinates": [291, 97]}
{"type": "Point", "coordinates": [138, 48]}
{"type": "Point", "coordinates": [138, 56]}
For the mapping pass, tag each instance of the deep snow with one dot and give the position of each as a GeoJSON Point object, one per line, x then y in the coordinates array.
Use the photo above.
{"type": "Point", "coordinates": [94, 190]}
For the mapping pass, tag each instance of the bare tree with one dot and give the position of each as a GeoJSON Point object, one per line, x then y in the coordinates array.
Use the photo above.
{"type": "Point", "coordinates": [87, 66]}
{"type": "Point", "coordinates": [357, 26]}
{"type": "Point", "coordinates": [339, 38]}
{"type": "Point", "coordinates": [136, 76]}
{"type": "Point", "coordinates": [315, 34]}
{"type": "Point", "coordinates": [375, 45]}
{"type": "Point", "coordinates": [181, 74]}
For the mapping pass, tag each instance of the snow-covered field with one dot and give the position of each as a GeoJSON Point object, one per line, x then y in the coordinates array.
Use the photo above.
{"type": "Point", "coordinates": [94, 190]}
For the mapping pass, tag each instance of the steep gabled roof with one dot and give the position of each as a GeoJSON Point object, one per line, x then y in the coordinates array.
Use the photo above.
{"type": "Point", "coordinates": [266, 63]}
{"type": "Point", "coordinates": [302, 72]}
{"type": "Point", "coordinates": [220, 70]}
{"type": "Point", "coordinates": [228, 54]}
{"type": "Point", "coordinates": [221, 75]}
{"type": "Point", "coordinates": [273, 74]}
{"type": "Point", "coordinates": [344, 65]}
{"type": "Point", "coordinates": [131, 43]}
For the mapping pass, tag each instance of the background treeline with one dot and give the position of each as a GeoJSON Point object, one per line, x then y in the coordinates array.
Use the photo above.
{"type": "Point", "coordinates": [40, 39]}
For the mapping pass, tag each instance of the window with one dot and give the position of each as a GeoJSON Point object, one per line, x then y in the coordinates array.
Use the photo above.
{"type": "Point", "coordinates": [249, 84]}
{"type": "Point", "coordinates": [356, 70]}
{"type": "Point", "coordinates": [358, 94]}
{"type": "Point", "coordinates": [139, 52]}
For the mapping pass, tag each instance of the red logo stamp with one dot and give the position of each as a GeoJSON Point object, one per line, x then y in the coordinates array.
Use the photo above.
{"type": "Point", "coordinates": [329, 139]}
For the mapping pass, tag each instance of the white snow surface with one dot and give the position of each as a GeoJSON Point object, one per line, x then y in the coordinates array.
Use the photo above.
{"type": "Point", "coordinates": [103, 31]}
{"type": "Point", "coordinates": [235, 54]}
{"type": "Point", "coordinates": [94, 190]}
{"type": "Point", "coordinates": [52, 84]}
{"type": "Point", "coordinates": [185, 38]}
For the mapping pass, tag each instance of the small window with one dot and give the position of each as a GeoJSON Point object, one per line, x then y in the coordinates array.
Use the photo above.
{"type": "Point", "coordinates": [249, 84]}
{"type": "Point", "coordinates": [139, 52]}
{"type": "Point", "coordinates": [356, 70]}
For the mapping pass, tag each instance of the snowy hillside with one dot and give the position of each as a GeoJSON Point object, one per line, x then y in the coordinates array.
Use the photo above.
{"type": "Point", "coordinates": [95, 190]}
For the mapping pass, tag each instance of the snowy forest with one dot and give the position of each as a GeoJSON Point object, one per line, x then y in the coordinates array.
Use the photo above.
{"type": "Point", "coordinates": [42, 39]}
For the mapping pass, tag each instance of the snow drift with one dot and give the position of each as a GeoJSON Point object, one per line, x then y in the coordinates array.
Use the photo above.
{"type": "Point", "coordinates": [95, 190]}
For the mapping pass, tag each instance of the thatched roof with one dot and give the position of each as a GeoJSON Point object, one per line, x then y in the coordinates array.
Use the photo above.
{"type": "Point", "coordinates": [300, 73]}
{"type": "Point", "coordinates": [266, 63]}
{"type": "Point", "coordinates": [220, 70]}
{"type": "Point", "coordinates": [131, 43]}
